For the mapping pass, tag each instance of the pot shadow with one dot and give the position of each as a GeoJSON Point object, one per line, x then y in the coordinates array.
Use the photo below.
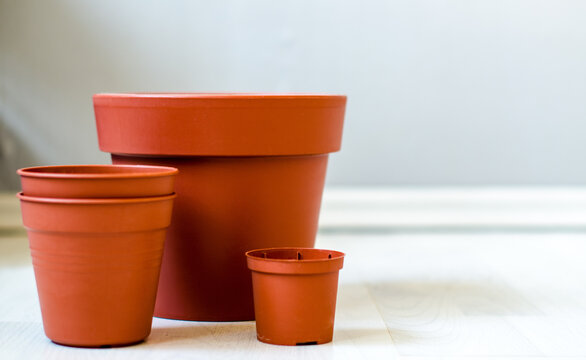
{"type": "Point", "coordinates": [362, 335]}
{"type": "Point", "coordinates": [211, 335]}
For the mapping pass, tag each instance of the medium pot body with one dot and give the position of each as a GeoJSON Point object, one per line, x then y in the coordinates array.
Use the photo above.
{"type": "Point", "coordinates": [251, 175]}
{"type": "Point", "coordinates": [295, 294]}
{"type": "Point", "coordinates": [96, 265]}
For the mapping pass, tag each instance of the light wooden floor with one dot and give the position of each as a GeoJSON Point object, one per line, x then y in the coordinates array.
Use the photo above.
{"type": "Point", "coordinates": [446, 293]}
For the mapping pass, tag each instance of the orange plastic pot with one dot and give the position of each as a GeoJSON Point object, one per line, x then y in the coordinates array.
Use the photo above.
{"type": "Point", "coordinates": [252, 170]}
{"type": "Point", "coordinates": [97, 181]}
{"type": "Point", "coordinates": [295, 294]}
{"type": "Point", "coordinates": [96, 264]}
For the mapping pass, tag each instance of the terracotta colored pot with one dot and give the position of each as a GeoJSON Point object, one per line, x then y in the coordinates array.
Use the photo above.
{"type": "Point", "coordinates": [295, 294]}
{"type": "Point", "coordinates": [252, 171]}
{"type": "Point", "coordinates": [97, 265]}
{"type": "Point", "coordinates": [97, 181]}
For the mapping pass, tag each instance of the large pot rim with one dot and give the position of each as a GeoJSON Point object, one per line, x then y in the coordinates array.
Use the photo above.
{"type": "Point", "coordinates": [216, 124]}
{"type": "Point", "coordinates": [197, 95]}
{"type": "Point", "coordinates": [219, 100]}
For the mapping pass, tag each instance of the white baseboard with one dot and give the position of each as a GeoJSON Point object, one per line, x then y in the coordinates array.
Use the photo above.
{"type": "Point", "coordinates": [423, 209]}
{"type": "Point", "coordinates": [485, 208]}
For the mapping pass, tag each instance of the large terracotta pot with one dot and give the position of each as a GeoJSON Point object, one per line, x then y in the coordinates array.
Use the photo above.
{"type": "Point", "coordinates": [252, 171]}
{"type": "Point", "coordinates": [96, 265]}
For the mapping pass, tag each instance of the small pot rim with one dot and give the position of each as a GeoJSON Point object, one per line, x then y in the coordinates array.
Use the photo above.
{"type": "Point", "coordinates": [93, 201]}
{"type": "Point", "coordinates": [338, 255]}
{"type": "Point", "coordinates": [45, 172]}
{"type": "Point", "coordinates": [296, 266]}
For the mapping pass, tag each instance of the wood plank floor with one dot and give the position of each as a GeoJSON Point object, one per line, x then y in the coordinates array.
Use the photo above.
{"type": "Point", "coordinates": [402, 295]}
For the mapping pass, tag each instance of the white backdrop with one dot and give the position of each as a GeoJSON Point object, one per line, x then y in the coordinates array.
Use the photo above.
{"type": "Point", "coordinates": [440, 92]}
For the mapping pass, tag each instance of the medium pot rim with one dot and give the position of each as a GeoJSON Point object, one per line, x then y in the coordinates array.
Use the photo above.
{"type": "Point", "coordinates": [115, 171]}
{"type": "Point", "coordinates": [93, 201]}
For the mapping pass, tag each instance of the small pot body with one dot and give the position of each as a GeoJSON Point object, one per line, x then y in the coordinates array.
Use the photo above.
{"type": "Point", "coordinates": [295, 294]}
{"type": "Point", "coordinates": [96, 265]}
{"type": "Point", "coordinates": [97, 181]}
{"type": "Point", "coordinates": [251, 175]}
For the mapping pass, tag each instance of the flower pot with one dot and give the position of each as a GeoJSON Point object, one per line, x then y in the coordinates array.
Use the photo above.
{"type": "Point", "coordinates": [252, 171]}
{"type": "Point", "coordinates": [295, 294]}
{"type": "Point", "coordinates": [96, 264]}
{"type": "Point", "coordinates": [97, 181]}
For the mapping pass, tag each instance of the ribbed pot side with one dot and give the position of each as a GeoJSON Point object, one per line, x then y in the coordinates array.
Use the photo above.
{"type": "Point", "coordinates": [96, 264]}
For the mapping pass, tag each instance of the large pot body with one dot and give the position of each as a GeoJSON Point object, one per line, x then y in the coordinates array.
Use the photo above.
{"type": "Point", "coordinates": [96, 264]}
{"type": "Point", "coordinates": [251, 175]}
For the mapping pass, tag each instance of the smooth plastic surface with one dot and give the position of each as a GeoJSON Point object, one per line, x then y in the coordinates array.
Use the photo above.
{"type": "Point", "coordinates": [225, 207]}
{"type": "Point", "coordinates": [96, 265]}
{"type": "Point", "coordinates": [97, 181]}
{"type": "Point", "coordinates": [252, 169]}
{"type": "Point", "coordinates": [219, 124]}
{"type": "Point", "coordinates": [295, 294]}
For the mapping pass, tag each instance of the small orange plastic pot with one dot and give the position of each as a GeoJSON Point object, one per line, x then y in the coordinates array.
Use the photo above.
{"type": "Point", "coordinates": [96, 264]}
{"type": "Point", "coordinates": [251, 175]}
{"type": "Point", "coordinates": [97, 181]}
{"type": "Point", "coordinates": [295, 294]}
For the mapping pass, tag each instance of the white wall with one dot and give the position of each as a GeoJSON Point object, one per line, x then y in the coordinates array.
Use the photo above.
{"type": "Point", "coordinates": [440, 92]}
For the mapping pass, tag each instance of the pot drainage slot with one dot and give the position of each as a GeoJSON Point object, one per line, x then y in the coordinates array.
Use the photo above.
{"type": "Point", "coordinates": [298, 258]}
{"type": "Point", "coordinates": [329, 256]}
{"type": "Point", "coordinates": [307, 343]}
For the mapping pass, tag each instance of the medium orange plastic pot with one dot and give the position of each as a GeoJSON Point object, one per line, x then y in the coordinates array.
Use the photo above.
{"type": "Point", "coordinates": [295, 294]}
{"type": "Point", "coordinates": [252, 170]}
{"type": "Point", "coordinates": [96, 264]}
{"type": "Point", "coordinates": [97, 181]}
